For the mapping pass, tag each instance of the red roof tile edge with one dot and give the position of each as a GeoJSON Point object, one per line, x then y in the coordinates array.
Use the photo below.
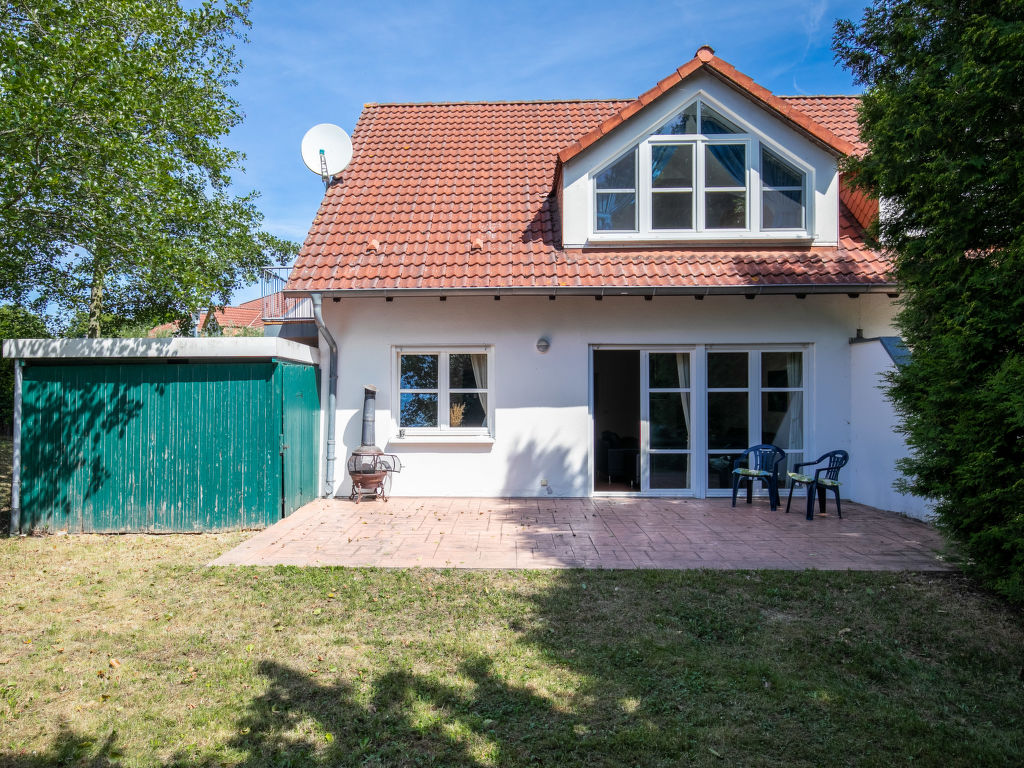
{"type": "Point", "coordinates": [705, 59]}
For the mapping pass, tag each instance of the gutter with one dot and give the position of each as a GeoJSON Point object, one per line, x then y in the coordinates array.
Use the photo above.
{"type": "Point", "coordinates": [770, 289]}
{"type": "Point", "coordinates": [332, 389]}
{"type": "Point", "coordinates": [16, 460]}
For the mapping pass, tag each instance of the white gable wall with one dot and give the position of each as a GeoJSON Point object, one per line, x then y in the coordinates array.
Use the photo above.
{"type": "Point", "coordinates": [577, 192]}
{"type": "Point", "coordinates": [542, 425]}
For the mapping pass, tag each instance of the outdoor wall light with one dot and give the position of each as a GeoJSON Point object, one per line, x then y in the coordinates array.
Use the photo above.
{"type": "Point", "coordinates": [543, 345]}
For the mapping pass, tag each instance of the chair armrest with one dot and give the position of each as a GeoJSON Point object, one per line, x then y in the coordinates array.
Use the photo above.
{"type": "Point", "coordinates": [804, 464]}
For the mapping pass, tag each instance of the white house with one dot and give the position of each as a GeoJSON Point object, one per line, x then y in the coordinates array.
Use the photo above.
{"type": "Point", "coordinates": [579, 298]}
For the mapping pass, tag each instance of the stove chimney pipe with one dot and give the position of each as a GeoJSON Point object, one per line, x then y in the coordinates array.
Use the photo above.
{"type": "Point", "coordinates": [369, 414]}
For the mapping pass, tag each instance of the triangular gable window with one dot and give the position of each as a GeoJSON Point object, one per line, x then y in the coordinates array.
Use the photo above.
{"type": "Point", "coordinates": [698, 113]}
{"type": "Point", "coordinates": [695, 174]}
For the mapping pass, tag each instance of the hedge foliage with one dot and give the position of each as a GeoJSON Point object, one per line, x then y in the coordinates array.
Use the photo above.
{"type": "Point", "coordinates": [943, 115]}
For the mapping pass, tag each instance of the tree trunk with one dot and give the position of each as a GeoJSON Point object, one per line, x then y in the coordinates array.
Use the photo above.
{"type": "Point", "coordinates": [96, 301]}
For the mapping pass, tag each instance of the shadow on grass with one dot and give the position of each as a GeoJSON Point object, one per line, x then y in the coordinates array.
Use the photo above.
{"type": "Point", "coordinates": [410, 720]}
{"type": "Point", "coordinates": [643, 669]}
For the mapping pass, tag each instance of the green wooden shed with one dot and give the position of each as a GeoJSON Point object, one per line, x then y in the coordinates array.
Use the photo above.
{"type": "Point", "coordinates": [165, 435]}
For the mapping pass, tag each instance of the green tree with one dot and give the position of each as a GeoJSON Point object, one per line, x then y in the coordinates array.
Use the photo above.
{"type": "Point", "coordinates": [943, 116]}
{"type": "Point", "coordinates": [115, 193]}
{"type": "Point", "coordinates": [15, 323]}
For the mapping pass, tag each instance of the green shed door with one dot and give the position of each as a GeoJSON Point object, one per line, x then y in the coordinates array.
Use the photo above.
{"type": "Point", "coordinates": [300, 434]}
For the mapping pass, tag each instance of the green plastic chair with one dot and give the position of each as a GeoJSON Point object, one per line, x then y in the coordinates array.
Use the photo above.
{"type": "Point", "coordinates": [826, 478]}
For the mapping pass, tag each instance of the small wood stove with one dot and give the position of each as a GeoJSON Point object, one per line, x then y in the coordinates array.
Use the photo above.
{"type": "Point", "coordinates": [368, 466]}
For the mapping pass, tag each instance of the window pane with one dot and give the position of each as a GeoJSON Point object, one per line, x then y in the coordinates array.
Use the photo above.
{"type": "Point", "coordinates": [782, 210]}
{"type": "Point", "coordinates": [713, 123]}
{"type": "Point", "coordinates": [727, 420]}
{"type": "Point", "coordinates": [777, 173]}
{"type": "Point", "coordinates": [725, 210]}
{"type": "Point", "coordinates": [418, 410]}
{"type": "Point", "coordinates": [467, 371]}
{"type": "Point", "coordinates": [782, 419]}
{"type": "Point", "coordinates": [419, 371]}
{"type": "Point", "coordinates": [668, 370]}
{"type": "Point", "coordinates": [782, 369]}
{"type": "Point", "coordinates": [619, 175]}
{"type": "Point", "coordinates": [727, 369]}
{"type": "Point", "coordinates": [670, 420]}
{"type": "Point", "coordinates": [720, 470]}
{"type": "Point", "coordinates": [672, 210]}
{"type": "Point", "coordinates": [725, 165]}
{"type": "Point", "coordinates": [672, 166]}
{"type": "Point", "coordinates": [685, 122]}
{"type": "Point", "coordinates": [670, 470]}
{"type": "Point", "coordinates": [467, 409]}
{"type": "Point", "coordinates": [616, 210]}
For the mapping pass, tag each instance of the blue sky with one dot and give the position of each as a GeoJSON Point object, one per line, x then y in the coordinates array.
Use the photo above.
{"type": "Point", "coordinates": [315, 62]}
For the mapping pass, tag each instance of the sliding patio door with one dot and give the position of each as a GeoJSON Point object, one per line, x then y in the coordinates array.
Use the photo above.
{"type": "Point", "coordinates": [671, 420]}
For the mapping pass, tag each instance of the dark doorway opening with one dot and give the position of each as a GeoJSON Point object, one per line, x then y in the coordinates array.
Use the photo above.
{"type": "Point", "coordinates": [617, 420]}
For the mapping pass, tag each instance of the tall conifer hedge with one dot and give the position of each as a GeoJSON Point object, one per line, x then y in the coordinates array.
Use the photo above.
{"type": "Point", "coordinates": [943, 115]}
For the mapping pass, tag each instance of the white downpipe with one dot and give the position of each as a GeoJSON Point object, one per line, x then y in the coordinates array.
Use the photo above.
{"type": "Point", "coordinates": [332, 389]}
{"type": "Point", "coordinates": [16, 460]}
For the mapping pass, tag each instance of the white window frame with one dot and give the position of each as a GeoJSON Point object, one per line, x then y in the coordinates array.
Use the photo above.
{"type": "Point", "coordinates": [755, 392]}
{"type": "Point", "coordinates": [753, 142]}
{"type": "Point", "coordinates": [768, 188]}
{"type": "Point", "coordinates": [635, 190]}
{"type": "Point", "coordinates": [443, 391]}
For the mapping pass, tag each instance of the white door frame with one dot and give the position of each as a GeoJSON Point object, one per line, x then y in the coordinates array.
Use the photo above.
{"type": "Point", "coordinates": [698, 427]}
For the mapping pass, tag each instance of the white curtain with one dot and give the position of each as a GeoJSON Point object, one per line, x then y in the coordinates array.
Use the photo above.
{"type": "Point", "coordinates": [479, 363]}
{"type": "Point", "coordinates": [795, 411]}
{"type": "Point", "coordinates": [683, 369]}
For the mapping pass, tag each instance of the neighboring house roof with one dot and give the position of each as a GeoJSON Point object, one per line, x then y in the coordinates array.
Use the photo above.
{"type": "Point", "coordinates": [256, 304]}
{"type": "Point", "coordinates": [247, 315]}
{"type": "Point", "coordinates": [238, 317]}
{"type": "Point", "coordinates": [457, 196]}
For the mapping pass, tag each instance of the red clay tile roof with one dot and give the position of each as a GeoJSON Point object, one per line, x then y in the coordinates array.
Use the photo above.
{"type": "Point", "coordinates": [244, 316]}
{"type": "Point", "coordinates": [706, 60]}
{"type": "Point", "coordinates": [457, 196]}
{"type": "Point", "coordinates": [238, 317]}
{"type": "Point", "coordinates": [837, 113]}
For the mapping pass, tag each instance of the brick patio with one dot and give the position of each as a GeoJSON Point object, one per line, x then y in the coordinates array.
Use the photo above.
{"type": "Point", "coordinates": [589, 533]}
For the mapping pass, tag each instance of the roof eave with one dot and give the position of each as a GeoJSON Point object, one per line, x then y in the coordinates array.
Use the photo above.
{"type": "Point", "coordinates": [609, 290]}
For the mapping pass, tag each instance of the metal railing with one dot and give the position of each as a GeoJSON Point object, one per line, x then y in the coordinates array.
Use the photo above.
{"type": "Point", "coordinates": [278, 308]}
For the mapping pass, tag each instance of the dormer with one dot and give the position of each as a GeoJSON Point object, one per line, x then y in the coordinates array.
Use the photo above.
{"type": "Point", "coordinates": [707, 157]}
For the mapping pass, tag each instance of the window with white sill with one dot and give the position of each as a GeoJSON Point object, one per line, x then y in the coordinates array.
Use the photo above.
{"type": "Point", "coordinates": [444, 391]}
{"type": "Point", "coordinates": [700, 175]}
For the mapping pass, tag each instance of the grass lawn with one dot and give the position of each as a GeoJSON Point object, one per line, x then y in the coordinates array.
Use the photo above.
{"type": "Point", "coordinates": [126, 650]}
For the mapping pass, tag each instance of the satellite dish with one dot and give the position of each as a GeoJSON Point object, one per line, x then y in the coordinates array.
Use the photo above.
{"type": "Point", "coordinates": [326, 150]}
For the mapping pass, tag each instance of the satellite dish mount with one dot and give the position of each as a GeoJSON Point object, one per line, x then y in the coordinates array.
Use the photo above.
{"type": "Point", "coordinates": [326, 150]}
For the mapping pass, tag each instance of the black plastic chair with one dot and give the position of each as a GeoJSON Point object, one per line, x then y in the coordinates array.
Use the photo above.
{"type": "Point", "coordinates": [836, 461]}
{"type": "Point", "coordinates": [762, 465]}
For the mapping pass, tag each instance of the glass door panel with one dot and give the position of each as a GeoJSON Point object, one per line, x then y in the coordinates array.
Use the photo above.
{"type": "Point", "coordinates": [753, 396]}
{"type": "Point", "coordinates": [668, 410]}
{"type": "Point", "coordinates": [728, 413]}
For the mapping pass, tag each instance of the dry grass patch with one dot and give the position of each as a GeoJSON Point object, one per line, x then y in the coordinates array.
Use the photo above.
{"type": "Point", "coordinates": [127, 650]}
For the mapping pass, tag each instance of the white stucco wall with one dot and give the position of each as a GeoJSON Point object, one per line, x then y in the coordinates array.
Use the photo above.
{"type": "Point", "coordinates": [577, 201]}
{"type": "Point", "coordinates": [874, 444]}
{"type": "Point", "coordinates": [542, 423]}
